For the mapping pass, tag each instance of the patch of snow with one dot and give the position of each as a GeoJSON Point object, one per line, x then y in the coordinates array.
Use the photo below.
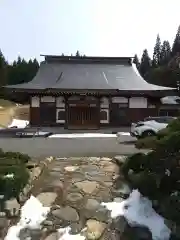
{"type": "Point", "coordinates": [32, 215]}
{"type": "Point", "coordinates": [13, 233]}
{"type": "Point", "coordinates": [138, 211]}
{"type": "Point", "coordinates": [83, 135]}
{"type": "Point", "coordinates": [30, 218]}
{"type": "Point", "coordinates": [65, 235]}
{"type": "Point", "coordinates": [18, 123]}
{"type": "Point", "coordinates": [123, 134]}
{"type": "Point", "coordinates": [9, 175]}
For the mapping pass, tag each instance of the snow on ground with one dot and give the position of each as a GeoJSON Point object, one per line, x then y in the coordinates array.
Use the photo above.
{"type": "Point", "coordinates": [33, 220]}
{"type": "Point", "coordinates": [123, 134]}
{"type": "Point", "coordinates": [83, 135]}
{"type": "Point", "coordinates": [18, 123]}
{"type": "Point", "coordinates": [28, 218]}
{"type": "Point", "coordinates": [138, 211]}
{"type": "Point", "coordinates": [65, 235]}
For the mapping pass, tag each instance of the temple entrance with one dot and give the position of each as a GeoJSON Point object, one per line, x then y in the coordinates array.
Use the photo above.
{"type": "Point", "coordinates": [47, 113]}
{"type": "Point", "coordinates": [83, 117]}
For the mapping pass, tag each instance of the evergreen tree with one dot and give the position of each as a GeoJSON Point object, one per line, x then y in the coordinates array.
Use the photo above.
{"type": "Point", "coordinates": [145, 64]}
{"type": "Point", "coordinates": [157, 52]}
{"type": "Point", "coordinates": [3, 70]}
{"type": "Point", "coordinates": [165, 53]}
{"type": "Point", "coordinates": [176, 44]}
{"type": "Point", "coordinates": [136, 61]}
{"type": "Point", "coordinates": [77, 54]}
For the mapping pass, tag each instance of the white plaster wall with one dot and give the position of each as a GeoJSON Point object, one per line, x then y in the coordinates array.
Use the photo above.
{"type": "Point", "coordinates": [104, 102]}
{"type": "Point", "coordinates": [138, 102]}
{"type": "Point", "coordinates": [60, 102]}
{"type": "Point", "coordinates": [119, 100]}
{"type": "Point", "coordinates": [48, 99]}
{"type": "Point", "coordinates": [35, 101]}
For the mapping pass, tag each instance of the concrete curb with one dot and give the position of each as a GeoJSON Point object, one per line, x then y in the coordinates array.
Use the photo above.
{"type": "Point", "coordinates": [34, 176]}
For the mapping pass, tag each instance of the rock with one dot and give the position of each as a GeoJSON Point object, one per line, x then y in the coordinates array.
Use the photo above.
{"type": "Point", "coordinates": [119, 224]}
{"type": "Point", "coordinates": [94, 229]}
{"type": "Point", "coordinates": [71, 168]}
{"type": "Point", "coordinates": [74, 197]}
{"type": "Point", "coordinates": [94, 160]}
{"type": "Point", "coordinates": [92, 204]}
{"type": "Point", "coordinates": [35, 173]}
{"type": "Point", "coordinates": [56, 183]}
{"type": "Point", "coordinates": [66, 213]}
{"type": "Point", "coordinates": [3, 223]}
{"type": "Point", "coordinates": [111, 167]}
{"type": "Point", "coordinates": [56, 169]}
{"type": "Point", "coordinates": [50, 159]}
{"type": "Point", "coordinates": [115, 176]}
{"type": "Point", "coordinates": [118, 199]}
{"type": "Point", "coordinates": [123, 191]}
{"type": "Point", "coordinates": [106, 159]}
{"type": "Point", "coordinates": [120, 159]}
{"type": "Point", "coordinates": [48, 223]}
{"type": "Point", "coordinates": [87, 186]}
{"type": "Point", "coordinates": [47, 198]}
{"type": "Point", "coordinates": [52, 236]}
{"type": "Point", "coordinates": [101, 214]}
{"type": "Point", "coordinates": [12, 206]}
{"type": "Point", "coordinates": [108, 184]}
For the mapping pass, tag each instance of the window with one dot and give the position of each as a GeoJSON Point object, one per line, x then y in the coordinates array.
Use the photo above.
{"type": "Point", "coordinates": [60, 116]}
{"type": "Point", "coordinates": [104, 116]}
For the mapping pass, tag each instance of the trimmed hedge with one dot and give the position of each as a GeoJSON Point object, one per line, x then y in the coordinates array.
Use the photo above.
{"type": "Point", "coordinates": [14, 174]}
{"type": "Point", "coordinates": [146, 143]}
{"type": "Point", "coordinates": [157, 175]}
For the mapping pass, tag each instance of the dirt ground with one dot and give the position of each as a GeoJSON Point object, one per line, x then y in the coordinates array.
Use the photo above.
{"type": "Point", "coordinates": [9, 110]}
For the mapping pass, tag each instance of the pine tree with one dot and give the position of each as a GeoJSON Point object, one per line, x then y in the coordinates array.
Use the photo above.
{"type": "Point", "coordinates": [176, 44]}
{"type": "Point", "coordinates": [165, 53]}
{"type": "Point", "coordinates": [3, 70]}
{"type": "Point", "coordinates": [145, 64]}
{"type": "Point", "coordinates": [157, 52]}
{"type": "Point", "coordinates": [77, 54]}
{"type": "Point", "coordinates": [136, 61]}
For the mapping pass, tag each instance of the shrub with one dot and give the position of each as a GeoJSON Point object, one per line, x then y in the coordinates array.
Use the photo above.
{"type": "Point", "coordinates": [24, 158]}
{"type": "Point", "coordinates": [12, 185]}
{"type": "Point", "coordinates": [17, 155]}
{"type": "Point", "coordinates": [13, 173]}
{"type": "Point", "coordinates": [157, 174]}
{"type": "Point", "coordinates": [174, 125]}
{"type": "Point", "coordinates": [148, 142]}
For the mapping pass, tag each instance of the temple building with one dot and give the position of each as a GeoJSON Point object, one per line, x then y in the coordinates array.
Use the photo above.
{"type": "Point", "coordinates": [89, 93]}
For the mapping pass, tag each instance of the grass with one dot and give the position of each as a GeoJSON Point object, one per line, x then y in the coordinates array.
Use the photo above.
{"type": "Point", "coordinates": [9, 110]}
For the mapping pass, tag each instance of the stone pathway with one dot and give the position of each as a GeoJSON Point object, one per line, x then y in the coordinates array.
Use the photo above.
{"type": "Point", "coordinates": [75, 187]}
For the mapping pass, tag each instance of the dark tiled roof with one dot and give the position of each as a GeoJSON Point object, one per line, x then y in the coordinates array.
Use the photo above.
{"type": "Point", "coordinates": [92, 75]}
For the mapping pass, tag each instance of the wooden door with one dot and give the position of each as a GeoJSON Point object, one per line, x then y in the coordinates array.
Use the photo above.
{"type": "Point", "coordinates": [48, 113]}
{"type": "Point", "coordinates": [83, 117]}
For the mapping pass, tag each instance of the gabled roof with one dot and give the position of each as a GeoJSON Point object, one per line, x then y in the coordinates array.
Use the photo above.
{"type": "Point", "coordinates": [89, 73]}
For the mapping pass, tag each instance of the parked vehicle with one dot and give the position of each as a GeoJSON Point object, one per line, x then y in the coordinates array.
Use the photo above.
{"type": "Point", "coordinates": [150, 126]}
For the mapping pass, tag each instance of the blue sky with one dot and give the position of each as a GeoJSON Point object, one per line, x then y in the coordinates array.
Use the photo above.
{"type": "Point", "coordinates": [94, 27]}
